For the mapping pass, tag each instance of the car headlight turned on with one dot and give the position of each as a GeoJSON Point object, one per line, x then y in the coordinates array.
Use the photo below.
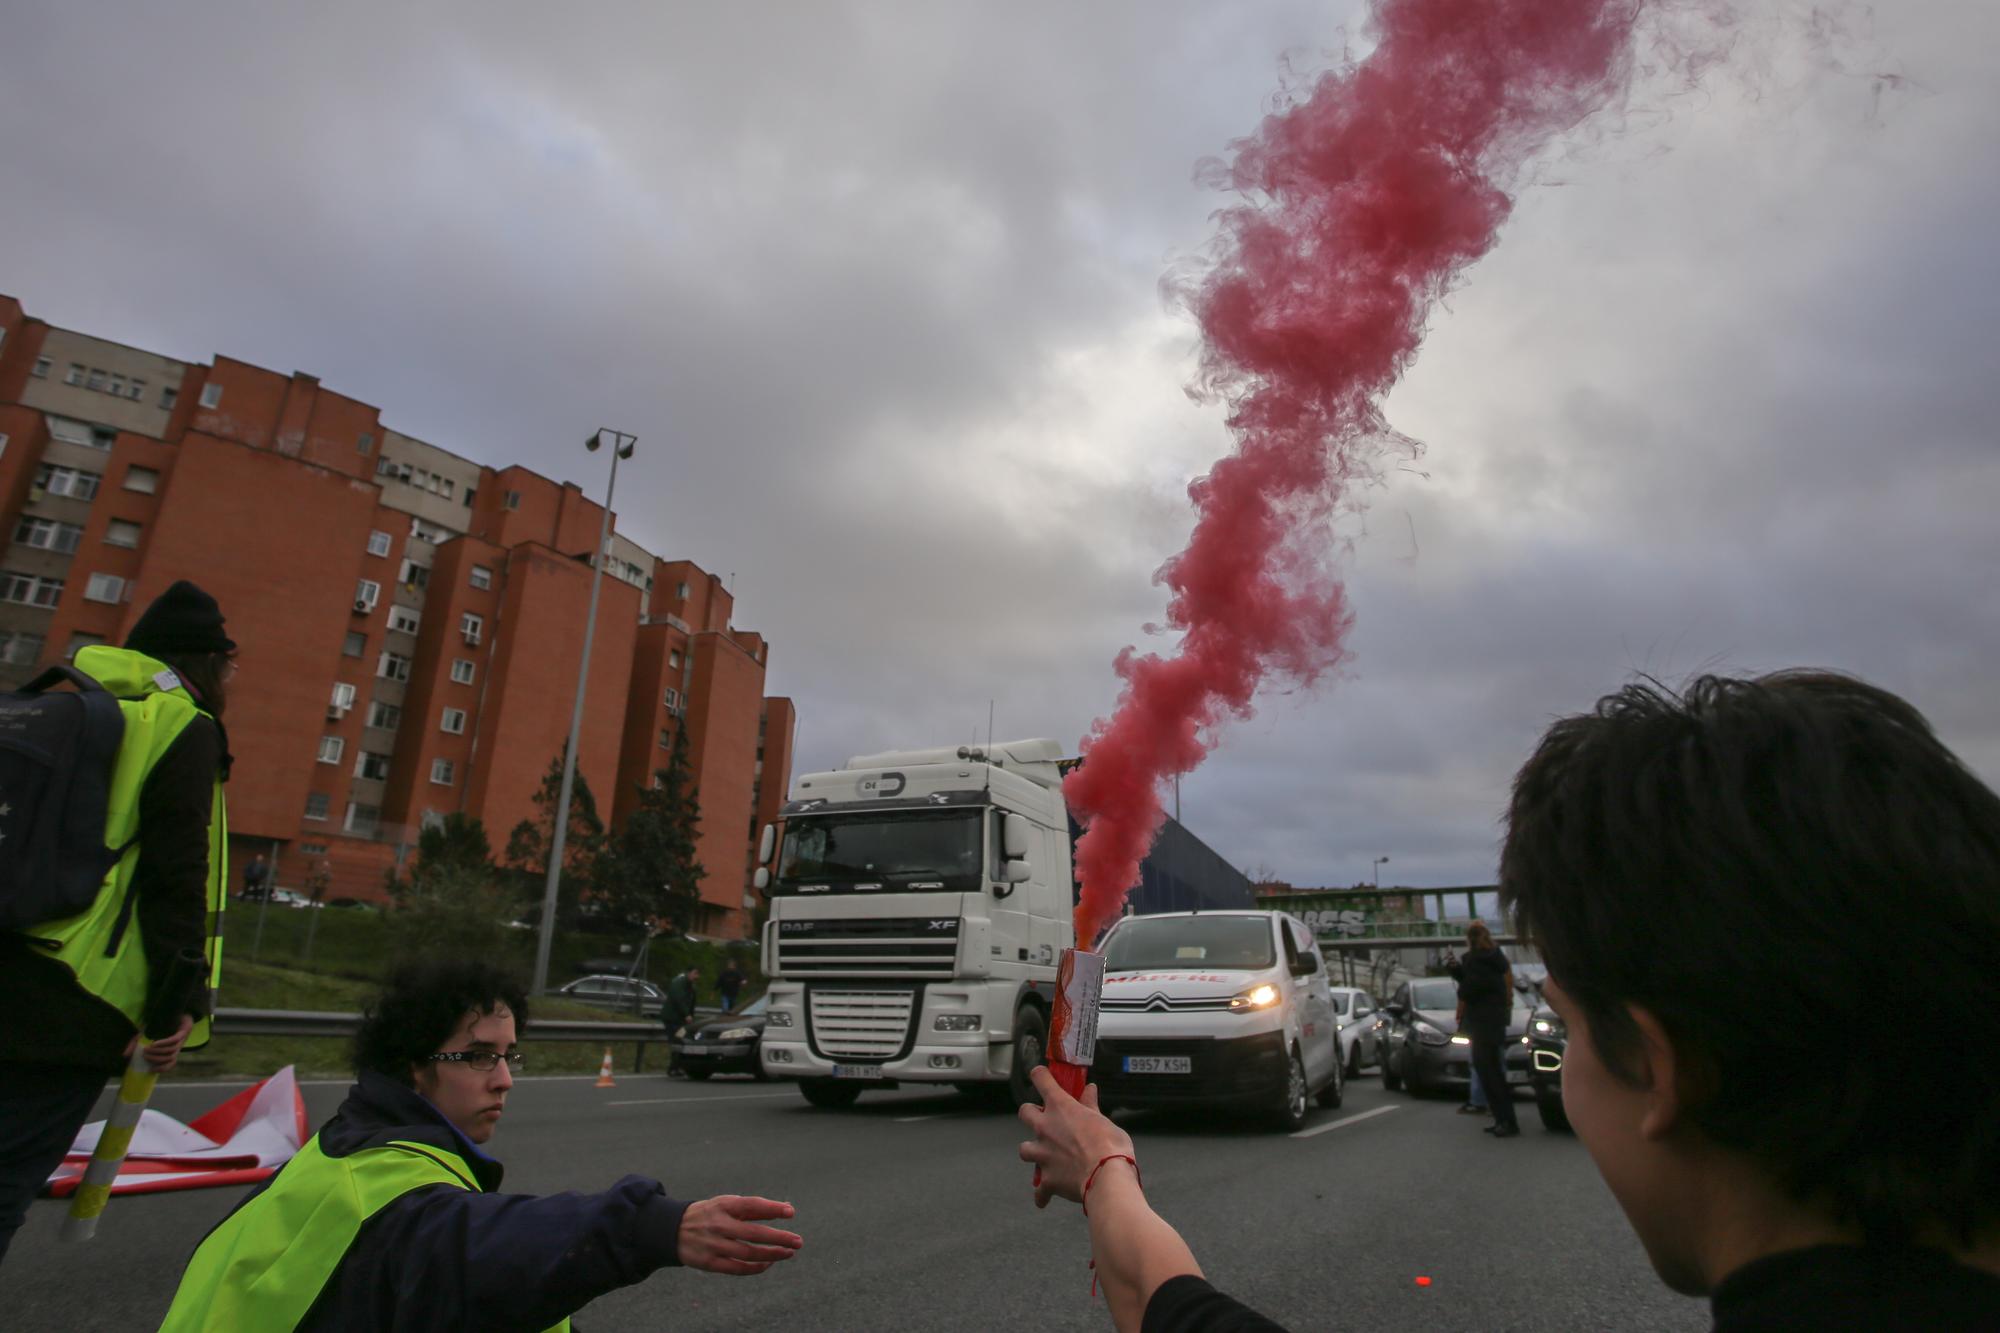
{"type": "Point", "coordinates": [736, 1034]}
{"type": "Point", "coordinates": [1257, 997]}
{"type": "Point", "coordinates": [1429, 1034]}
{"type": "Point", "coordinates": [778, 1018]}
{"type": "Point", "coordinates": [1551, 1028]}
{"type": "Point", "coordinates": [956, 1023]}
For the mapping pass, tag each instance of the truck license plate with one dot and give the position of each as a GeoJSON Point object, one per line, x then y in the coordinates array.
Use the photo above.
{"type": "Point", "coordinates": [1159, 1064]}
{"type": "Point", "coordinates": [857, 1071]}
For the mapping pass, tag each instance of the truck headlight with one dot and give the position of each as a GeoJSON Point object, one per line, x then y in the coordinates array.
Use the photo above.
{"type": "Point", "coordinates": [957, 1022]}
{"type": "Point", "coordinates": [1257, 997]}
{"type": "Point", "coordinates": [778, 1018]}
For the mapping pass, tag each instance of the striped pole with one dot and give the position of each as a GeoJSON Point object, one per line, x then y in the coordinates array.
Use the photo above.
{"type": "Point", "coordinates": [134, 1091]}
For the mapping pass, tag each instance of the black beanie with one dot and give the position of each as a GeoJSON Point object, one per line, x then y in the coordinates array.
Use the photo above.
{"type": "Point", "coordinates": [183, 619]}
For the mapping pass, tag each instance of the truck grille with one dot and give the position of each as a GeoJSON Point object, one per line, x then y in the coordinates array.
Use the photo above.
{"type": "Point", "coordinates": [876, 946]}
{"type": "Point", "coordinates": [861, 1024]}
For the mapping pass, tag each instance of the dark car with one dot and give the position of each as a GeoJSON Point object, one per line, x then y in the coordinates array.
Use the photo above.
{"type": "Point", "coordinates": [1422, 1050]}
{"type": "Point", "coordinates": [725, 1045]}
{"type": "Point", "coordinates": [1547, 1041]}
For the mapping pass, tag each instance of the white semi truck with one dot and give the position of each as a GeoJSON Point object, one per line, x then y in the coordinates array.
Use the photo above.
{"type": "Point", "coordinates": [919, 902]}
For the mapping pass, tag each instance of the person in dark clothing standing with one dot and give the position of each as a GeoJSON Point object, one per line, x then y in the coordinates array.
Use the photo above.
{"type": "Point", "coordinates": [728, 984]}
{"type": "Point", "coordinates": [1486, 990]}
{"type": "Point", "coordinates": [81, 991]}
{"type": "Point", "coordinates": [390, 1218]}
{"type": "Point", "coordinates": [256, 878]}
{"type": "Point", "coordinates": [676, 1012]}
{"type": "Point", "coordinates": [1705, 876]}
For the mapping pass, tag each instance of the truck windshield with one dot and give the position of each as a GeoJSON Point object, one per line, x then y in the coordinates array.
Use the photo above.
{"type": "Point", "coordinates": [933, 849]}
{"type": "Point", "coordinates": [1238, 943]}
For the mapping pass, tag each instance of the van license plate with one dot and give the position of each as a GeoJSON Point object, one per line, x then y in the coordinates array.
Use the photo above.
{"type": "Point", "coordinates": [857, 1071]}
{"type": "Point", "coordinates": [1159, 1064]}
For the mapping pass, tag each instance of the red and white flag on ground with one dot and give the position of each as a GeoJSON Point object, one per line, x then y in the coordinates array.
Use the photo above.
{"type": "Point", "coordinates": [240, 1142]}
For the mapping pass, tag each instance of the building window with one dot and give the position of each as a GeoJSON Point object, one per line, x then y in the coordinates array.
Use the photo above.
{"type": "Point", "coordinates": [355, 644]}
{"type": "Point", "coordinates": [46, 534]}
{"type": "Point", "coordinates": [386, 716]}
{"type": "Point", "coordinates": [211, 396]}
{"type": "Point", "coordinates": [681, 591]}
{"type": "Point", "coordinates": [330, 749]}
{"type": "Point", "coordinates": [316, 804]}
{"type": "Point", "coordinates": [482, 577]}
{"type": "Point", "coordinates": [366, 593]}
{"type": "Point", "coordinates": [449, 487]}
{"type": "Point", "coordinates": [470, 491]}
{"type": "Point", "coordinates": [374, 767]}
{"type": "Point", "coordinates": [378, 543]}
{"type": "Point", "coordinates": [343, 699]}
{"type": "Point", "coordinates": [513, 499]}
{"type": "Point", "coordinates": [362, 818]}
{"type": "Point", "coordinates": [365, 443]}
{"type": "Point", "coordinates": [117, 386]}
{"type": "Point", "coordinates": [674, 658]}
{"type": "Point", "coordinates": [453, 721]}
{"type": "Point", "coordinates": [393, 666]}
{"type": "Point", "coordinates": [30, 589]}
{"type": "Point", "coordinates": [42, 368]}
{"type": "Point", "coordinates": [471, 627]}
{"type": "Point", "coordinates": [76, 373]}
{"type": "Point", "coordinates": [441, 772]}
{"type": "Point", "coordinates": [666, 738]}
{"type": "Point", "coordinates": [415, 575]}
{"type": "Point", "coordinates": [104, 588]}
{"type": "Point", "coordinates": [169, 395]}
{"type": "Point", "coordinates": [120, 532]}
{"type": "Point", "coordinates": [19, 648]}
{"type": "Point", "coordinates": [72, 432]}
{"type": "Point", "coordinates": [403, 620]}
{"type": "Point", "coordinates": [80, 641]}
{"type": "Point", "coordinates": [673, 701]}
{"type": "Point", "coordinates": [67, 481]}
{"type": "Point", "coordinates": [144, 480]}
{"type": "Point", "coordinates": [313, 848]}
{"type": "Point", "coordinates": [461, 671]}
{"type": "Point", "coordinates": [385, 466]}
{"type": "Point", "coordinates": [96, 380]}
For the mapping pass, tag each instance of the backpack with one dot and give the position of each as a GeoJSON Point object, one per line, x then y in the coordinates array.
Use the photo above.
{"type": "Point", "coordinates": [57, 753]}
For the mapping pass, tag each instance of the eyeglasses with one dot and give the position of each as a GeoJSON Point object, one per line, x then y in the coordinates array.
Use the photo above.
{"type": "Point", "coordinates": [483, 1061]}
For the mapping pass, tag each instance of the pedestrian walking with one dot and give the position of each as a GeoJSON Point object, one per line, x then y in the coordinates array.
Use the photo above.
{"type": "Point", "coordinates": [1486, 990]}
{"type": "Point", "coordinates": [391, 1216]}
{"type": "Point", "coordinates": [729, 983]}
{"type": "Point", "coordinates": [676, 1012]}
{"type": "Point", "coordinates": [1770, 838]}
{"type": "Point", "coordinates": [82, 990]}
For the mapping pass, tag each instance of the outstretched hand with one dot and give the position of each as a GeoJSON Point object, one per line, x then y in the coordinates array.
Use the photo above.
{"type": "Point", "coordinates": [725, 1235]}
{"type": "Point", "coordinates": [163, 1054]}
{"type": "Point", "coordinates": [1071, 1138]}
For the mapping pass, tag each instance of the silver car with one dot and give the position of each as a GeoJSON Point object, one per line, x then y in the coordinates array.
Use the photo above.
{"type": "Point", "coordinates": [1359, 1019]}
{"type": "Point", "coordinates": [1423, 1050]}
{"type": "Point", "coordinates": [627, 994]}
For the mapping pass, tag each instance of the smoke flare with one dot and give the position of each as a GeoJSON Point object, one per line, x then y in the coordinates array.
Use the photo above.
{"type": "Point", "coordinates": [1364, 202]}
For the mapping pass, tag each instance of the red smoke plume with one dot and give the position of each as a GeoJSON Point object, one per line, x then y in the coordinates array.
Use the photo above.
{"type": "Point", "coordinates": [1364, 202]}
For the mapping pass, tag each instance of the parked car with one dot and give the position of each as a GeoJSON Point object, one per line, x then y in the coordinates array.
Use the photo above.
{"type": "Point", "coordinates": [1358, 1019]}
{"type": "Point", "coordinates": [615, 992]}
{"type": "Point", "coordinates": [1548, 1039]}
{"type": "Point", "coordinates": [1217, 1009]}
{"type": "Point", "coordinates": [726, 1045]}
{"type": "Point", "coordinates": [1423, 1050]}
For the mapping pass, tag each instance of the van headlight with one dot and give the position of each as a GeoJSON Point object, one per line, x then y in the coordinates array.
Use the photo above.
{"type": "Point", "coordinates": [1257, 997]}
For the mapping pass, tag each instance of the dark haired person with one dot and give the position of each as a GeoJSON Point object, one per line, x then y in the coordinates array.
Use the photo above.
{"type": "Point", "coordinates": [1723, 884]}
{"type": "Point", "coordinates": [80, 991]}
{"type": "Point", "coordinates": [1486, 999]}
{"type": "Point", "coordinates": [389, 1218]}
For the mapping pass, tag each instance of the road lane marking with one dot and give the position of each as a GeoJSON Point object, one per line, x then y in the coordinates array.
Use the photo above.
{"type": "Point", "coordinates": [1365, 1115]}
{"type": "Point", "coordinates": [913, 1119]}
{"type": "Point", "coordinates": [730, 1097]}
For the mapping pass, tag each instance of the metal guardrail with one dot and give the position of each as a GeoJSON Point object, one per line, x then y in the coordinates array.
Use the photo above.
{"type": "Point", "coordinates": [321, 1023]}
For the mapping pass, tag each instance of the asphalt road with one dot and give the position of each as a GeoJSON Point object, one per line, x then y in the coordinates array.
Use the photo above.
{"type": "Point", "coordinates": [917, 1216]}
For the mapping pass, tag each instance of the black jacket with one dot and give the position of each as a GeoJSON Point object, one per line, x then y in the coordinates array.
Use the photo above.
{"type": "Point", "coordinates": [443, 1257]}
{"type": "Point", "coordinates": [170, 885]}
{"type": "Point", "coordinates": [1482, 984]}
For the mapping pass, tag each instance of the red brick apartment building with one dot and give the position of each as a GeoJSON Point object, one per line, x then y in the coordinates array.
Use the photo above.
{"type": "Point", "coordinates": [410, 621]}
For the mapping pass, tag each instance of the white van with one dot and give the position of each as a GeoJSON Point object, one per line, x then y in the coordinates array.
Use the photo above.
{"type": "Point", "coordinates": [1217, 1009]}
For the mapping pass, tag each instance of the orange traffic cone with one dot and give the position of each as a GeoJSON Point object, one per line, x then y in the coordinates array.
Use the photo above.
{"type": "Point", "coordinates": [604, 1074]}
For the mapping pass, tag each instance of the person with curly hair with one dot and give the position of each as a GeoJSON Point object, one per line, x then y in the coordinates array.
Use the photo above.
{"type": "Point", "coordinates": [391, 1217]}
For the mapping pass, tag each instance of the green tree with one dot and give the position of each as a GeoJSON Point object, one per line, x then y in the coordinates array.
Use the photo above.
{"type": "Point", "coordinates": [457, 842]}
{"type": "Point", "coordinates": [650, 870]}
{"type": "Point", "coordinates": [453, 910]}
{"type": "Point", "coordinates": [529, 844]}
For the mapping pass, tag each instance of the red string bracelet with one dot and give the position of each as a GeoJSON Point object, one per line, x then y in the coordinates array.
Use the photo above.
{"type": "Point", "coordinates": [1110, 1157]}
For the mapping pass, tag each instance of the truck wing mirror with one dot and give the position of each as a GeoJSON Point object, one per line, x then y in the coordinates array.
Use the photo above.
{"type": "Point", "coordinates": [767, 844]}
{"type": "Point", "coordinates": [1015, 872]}
{"type": "Point", "coordinates": [1014, 833]}
{"type": "Point", "coordinates": [761, 880]}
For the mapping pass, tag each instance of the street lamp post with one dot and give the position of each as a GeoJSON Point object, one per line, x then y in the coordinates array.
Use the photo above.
{"type": "Point", "coordinates": [621, 447]}
{"type": "Point", "coordinates": [1379, 862]}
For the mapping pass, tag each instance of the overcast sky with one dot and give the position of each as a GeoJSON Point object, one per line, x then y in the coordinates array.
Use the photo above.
{"type": "Point", "coordinates": [878, 287]}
